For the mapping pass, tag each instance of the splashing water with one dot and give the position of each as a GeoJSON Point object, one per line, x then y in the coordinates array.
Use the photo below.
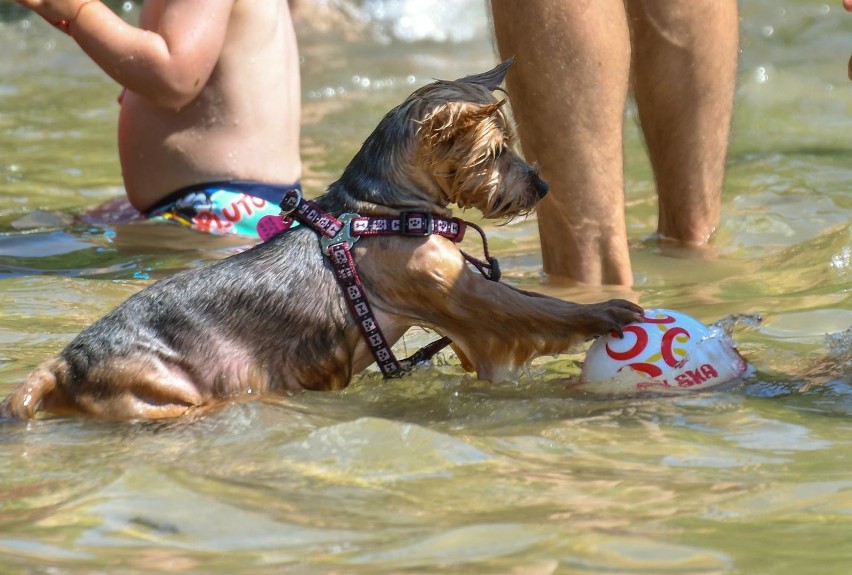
{"type": "Point", "coordinates": [840, 346]}
{"type": "Point", "coordinates": [723, 329]}
{"type": "Point", "coordinates": [840, 343]}
{"type": "Point", "coordinates": [452, 21]}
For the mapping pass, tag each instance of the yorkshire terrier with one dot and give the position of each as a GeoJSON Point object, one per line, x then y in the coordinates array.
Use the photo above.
{"type": "Point", "coordinates": [274, 317]}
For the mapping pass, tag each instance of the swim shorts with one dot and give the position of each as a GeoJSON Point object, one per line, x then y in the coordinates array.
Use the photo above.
{"type": "Point", "coordinates": [232, 208]}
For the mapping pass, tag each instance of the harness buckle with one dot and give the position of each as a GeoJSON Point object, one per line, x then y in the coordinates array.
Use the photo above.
{"type": "Point", "coordinates": [461, 226]}
{"type": "Point", "coordinates": [415, 223]}
{"type": "Point", "coordinates": [290, 201]}
{"type": "Point", "coordinates": [343, 236]}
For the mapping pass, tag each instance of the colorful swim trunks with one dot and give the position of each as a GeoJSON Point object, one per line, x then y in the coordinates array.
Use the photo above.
{"type": "Point", "coordinates": [232, 208]}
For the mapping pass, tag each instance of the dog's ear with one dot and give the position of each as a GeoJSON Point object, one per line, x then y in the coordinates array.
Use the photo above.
{"type": "Point", "coordinates": [473, 115]}
{"type": "Point", "coordinates": [491, 79]}
{"type": "Point", "coordinates": [449, 120]}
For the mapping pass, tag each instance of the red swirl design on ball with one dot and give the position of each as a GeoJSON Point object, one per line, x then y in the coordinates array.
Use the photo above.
{"type": "Point", "coordinates": [665, 319]}
{"type": "Point", "coordinates": [641, 343]}
{"type": "Point", "coordinates": [667, 345]}
{"type": "Point", "coordinates": [648, 369]}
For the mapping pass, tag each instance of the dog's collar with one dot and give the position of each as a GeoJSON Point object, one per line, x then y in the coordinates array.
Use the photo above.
{"type": "Point", "coordinates": [416, 223]}
{"type": "Point", "coordinates": [350, 227]}
{"type": "Point", "coordinates": [337, 234]}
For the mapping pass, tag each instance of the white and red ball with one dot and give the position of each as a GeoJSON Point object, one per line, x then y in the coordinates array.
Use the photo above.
{"type": "Point", "coordinates": [668, 350]}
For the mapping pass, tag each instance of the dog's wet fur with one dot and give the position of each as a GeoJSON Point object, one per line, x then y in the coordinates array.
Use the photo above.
{"type": "Point", "coordinates": [273, 318]}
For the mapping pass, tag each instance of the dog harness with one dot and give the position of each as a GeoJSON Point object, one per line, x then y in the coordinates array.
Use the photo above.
{"type": "Point", "coordinates": [338, 234]}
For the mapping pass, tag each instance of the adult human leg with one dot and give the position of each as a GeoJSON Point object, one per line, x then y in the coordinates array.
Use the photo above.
{"type": "Point", "coordinates": [684, 73]}
{"type": "Point", "coordinates": [568, 87]}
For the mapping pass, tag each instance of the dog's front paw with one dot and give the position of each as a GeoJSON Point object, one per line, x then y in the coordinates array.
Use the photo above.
{"type": "Point", "coordinates": [610, 316]}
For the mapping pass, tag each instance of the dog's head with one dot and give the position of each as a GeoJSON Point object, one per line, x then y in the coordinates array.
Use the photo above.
{"type": "Point", "coordinates": [450, 142]}
{"type": "Point", "coordinates": [466, 147]}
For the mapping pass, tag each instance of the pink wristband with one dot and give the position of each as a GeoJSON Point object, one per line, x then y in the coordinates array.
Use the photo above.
{"type": "Point", "coordinates": [65, 23]}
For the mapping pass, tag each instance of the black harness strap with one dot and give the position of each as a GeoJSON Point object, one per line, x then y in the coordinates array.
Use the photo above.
{"type": "Point", "coordinates": [337, 234]}
{"type": "Point", "coordinates": [425, 353]}
{"type": "Point", "coordinates": [359, 307]}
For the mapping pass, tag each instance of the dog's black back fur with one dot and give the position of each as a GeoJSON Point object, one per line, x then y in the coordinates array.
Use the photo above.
{"type": "Point", "coordinates": [255, 299]}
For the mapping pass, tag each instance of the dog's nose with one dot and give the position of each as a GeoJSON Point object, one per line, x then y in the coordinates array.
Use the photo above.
{"type": "Point", "coordinates": [540, 186]}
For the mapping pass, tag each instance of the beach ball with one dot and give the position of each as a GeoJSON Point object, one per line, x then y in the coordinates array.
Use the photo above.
{"type": "Point", "coordinates": [667, 350]}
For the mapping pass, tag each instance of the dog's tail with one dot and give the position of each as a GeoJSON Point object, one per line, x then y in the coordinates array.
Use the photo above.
{"type": "Point", "coordinates": [38, 391]}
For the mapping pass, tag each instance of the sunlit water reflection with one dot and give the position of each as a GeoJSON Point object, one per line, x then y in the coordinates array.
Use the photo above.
{"type": "Point", "coordinates": [439, 472]}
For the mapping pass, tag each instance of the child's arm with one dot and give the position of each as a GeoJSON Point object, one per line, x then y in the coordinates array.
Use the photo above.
{"type": "Point", "coordinates": [168, 66]}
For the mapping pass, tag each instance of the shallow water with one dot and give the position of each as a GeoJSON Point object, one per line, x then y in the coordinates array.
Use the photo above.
{"type": "Point", "coordinates": [439, 473]}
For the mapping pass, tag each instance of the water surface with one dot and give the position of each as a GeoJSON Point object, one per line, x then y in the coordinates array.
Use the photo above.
{"type": "Point", "coordinates": [439, 473]}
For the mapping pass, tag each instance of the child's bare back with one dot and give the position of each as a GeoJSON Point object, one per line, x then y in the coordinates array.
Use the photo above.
{"type": "Point", "coordinates": [243, 122]}
{"type": "Point", "coordinates": [211, 89]}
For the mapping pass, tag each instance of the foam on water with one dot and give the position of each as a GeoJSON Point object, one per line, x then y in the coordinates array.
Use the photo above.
{"type": "Point", "coordinates": [425, 20]}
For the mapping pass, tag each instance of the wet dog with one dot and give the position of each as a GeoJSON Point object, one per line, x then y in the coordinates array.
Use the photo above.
{"type": "Point", "coordinates": [273, 318]}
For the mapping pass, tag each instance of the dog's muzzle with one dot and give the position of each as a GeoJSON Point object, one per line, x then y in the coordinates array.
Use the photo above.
{"type": "Point", "coordinates": [539, 185]}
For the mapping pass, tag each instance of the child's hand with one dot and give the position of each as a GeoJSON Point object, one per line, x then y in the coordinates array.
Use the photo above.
{"type": "Point", "coordinates": [55, 11]}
